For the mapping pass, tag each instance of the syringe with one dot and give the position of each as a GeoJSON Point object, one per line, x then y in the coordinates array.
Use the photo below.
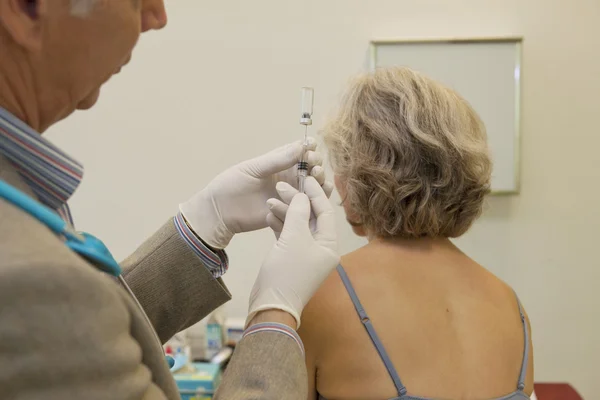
{"type": "Point", "coordinates": [306, 120]}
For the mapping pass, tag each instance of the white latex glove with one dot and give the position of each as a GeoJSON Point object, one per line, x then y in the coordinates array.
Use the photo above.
{"type": "Point", "coordinates": [278, 209]}
{"type": "Point", "coordinates": [235, 201]}
{"type": "Point", "coordinates": [300, 259]}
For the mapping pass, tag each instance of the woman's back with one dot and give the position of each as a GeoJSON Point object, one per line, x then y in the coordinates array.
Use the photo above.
{"type": "Point", "coordinates": [451, 329]}
{"type": "Point", "coordinates": [412, 167]}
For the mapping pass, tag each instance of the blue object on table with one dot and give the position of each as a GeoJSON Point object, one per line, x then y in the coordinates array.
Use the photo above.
{"type": "Point", "coordinates": [180, 360]}
{"type": "Point", "coordinates": [200, 383]}
{"type": "Point", "coordinates": [170, 361]}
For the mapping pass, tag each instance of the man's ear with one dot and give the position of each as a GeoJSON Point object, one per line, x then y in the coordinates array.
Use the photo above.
{"type": "Point", "coordinates": [23, 21]}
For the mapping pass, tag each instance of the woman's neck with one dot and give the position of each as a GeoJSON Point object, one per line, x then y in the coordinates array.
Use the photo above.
{"type": "Point", "coordinates": [420, 245]}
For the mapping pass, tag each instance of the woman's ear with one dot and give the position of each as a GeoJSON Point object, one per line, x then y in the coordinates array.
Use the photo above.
{"type": "Point", "coordinates": [351, 216]}
{"type": "Point", "coordinates": [22, 20]}
{"type": "Point", "coordinates": [357, 228]}
{"type": "Point", "coordinates": [353, 219]}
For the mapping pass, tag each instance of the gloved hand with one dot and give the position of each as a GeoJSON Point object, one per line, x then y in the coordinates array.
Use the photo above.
{"type": "Point", "coordinates": [235, 201]}
{"type": "Point", "coordinates": [278, 209]}
{"type": "Point", "coordinates": [300, 259]}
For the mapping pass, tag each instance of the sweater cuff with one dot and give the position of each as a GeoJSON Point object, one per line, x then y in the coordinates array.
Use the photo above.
{"type": "Point", "coordinates": [275, 327]}
{"type": "Point", "coordinates": [216, 261]}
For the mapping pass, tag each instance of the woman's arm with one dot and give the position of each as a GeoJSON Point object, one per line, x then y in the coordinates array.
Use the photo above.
{"type": "Point", "coordinates": [530, 376]}
{"type": "Point", "coordinates": [320, 324]}
{"type": "Point", "coordinates": [313, 336]}
{"type": "Point", "coordinates": [311, 371]}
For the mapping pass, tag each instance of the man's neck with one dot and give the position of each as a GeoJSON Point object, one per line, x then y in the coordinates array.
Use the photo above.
{"type": "Point", "coordinates": [17, 89]}
{"type": "Point", "coordinates": [11, 103]}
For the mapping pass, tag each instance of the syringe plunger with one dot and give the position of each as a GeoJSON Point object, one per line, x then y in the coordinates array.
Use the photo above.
{"type": "Point", "coordinates": [306, 108]}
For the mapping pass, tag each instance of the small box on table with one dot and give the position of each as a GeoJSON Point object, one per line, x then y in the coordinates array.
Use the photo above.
{"type": "Point", "coordinates": [198, 382]}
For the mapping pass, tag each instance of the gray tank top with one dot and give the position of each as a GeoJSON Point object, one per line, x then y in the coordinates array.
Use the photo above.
{"type": "Point", "coordinates": [518, 394]}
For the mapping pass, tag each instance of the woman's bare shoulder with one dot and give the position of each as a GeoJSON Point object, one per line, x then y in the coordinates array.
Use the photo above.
{"type": "Point", "coordinates": [330, 306]}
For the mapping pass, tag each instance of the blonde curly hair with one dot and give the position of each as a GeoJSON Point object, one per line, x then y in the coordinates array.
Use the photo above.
{"type": "Point", "coordinates": [411, 154]}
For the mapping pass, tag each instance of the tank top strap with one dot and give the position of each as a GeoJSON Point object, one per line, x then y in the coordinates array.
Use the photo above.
{"type": "Point", "coordinates": [525, 362]}
{"type": "Point", "coordinates": [366, 321]}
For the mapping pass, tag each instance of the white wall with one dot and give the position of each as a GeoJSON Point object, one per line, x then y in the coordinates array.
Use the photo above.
{"type": "Point", "coordinates": [221, 84]}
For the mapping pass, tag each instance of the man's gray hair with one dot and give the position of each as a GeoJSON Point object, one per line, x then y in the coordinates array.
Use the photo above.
{"type": "Point", "coordinates": [81, 8]}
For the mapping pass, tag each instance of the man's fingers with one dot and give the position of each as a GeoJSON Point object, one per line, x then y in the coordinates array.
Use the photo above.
{"type": "Point", "coordinates": [318, 198]}
{"type": "Point", "coordinates": [280, 159]}
{"type": "Point", "coordinates": [286, 191]}
{"type": "Point", "coordinates": [297, 216]}
{"type": "Point", "coordinates": [314, 158]}
{"type": "Point", "coordinates": [278, 208]}
{"type": "Point", "coordinates": [312, 189]}
{"type": "Point", "coordinates": [321, 207]}
{"type": "Point", "coordinates": [275, 224]}
{"type": "Point", "coordinates": [311, 144]}
{"type": "Point", "coordinates": [327, 188]}
{"type": "Point", "coordinates": [318, 172]}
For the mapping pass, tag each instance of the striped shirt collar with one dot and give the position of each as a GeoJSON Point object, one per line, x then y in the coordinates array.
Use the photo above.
{"type": "Point", "coordinates": [50, 173]}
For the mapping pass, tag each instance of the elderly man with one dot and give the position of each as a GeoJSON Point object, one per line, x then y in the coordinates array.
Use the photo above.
{"type": "Point", "coordinates": [70, 331]}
